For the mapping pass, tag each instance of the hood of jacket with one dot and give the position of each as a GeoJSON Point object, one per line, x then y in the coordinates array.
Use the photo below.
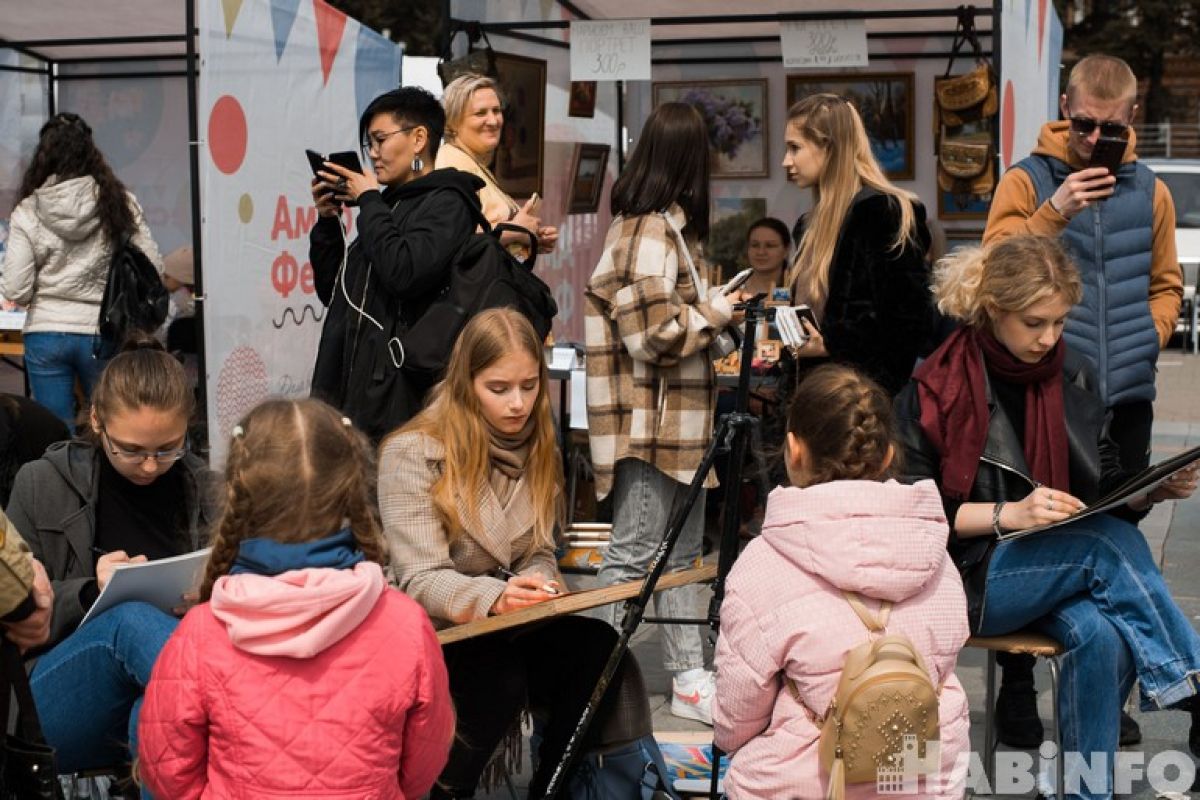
{"type": "Point", "coordinates": [1052, 142]}
{"type": "Point", "coordinates": [297, 614]}
{"type": "Point", "coordinates": [68, 208]}
{"type": "Point", "coordinates": [882, 540]}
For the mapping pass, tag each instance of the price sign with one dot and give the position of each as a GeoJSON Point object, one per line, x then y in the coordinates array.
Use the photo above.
{"type": "Point", "coordinates": [824, 44]}
{"type": "Point", "coordinates": [610, 50]}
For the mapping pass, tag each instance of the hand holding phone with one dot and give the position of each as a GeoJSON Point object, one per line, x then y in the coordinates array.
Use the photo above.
{"type": "Point", "coordinates": [346, 160]}
{"type": "Point", "coordinates": [737, 282]}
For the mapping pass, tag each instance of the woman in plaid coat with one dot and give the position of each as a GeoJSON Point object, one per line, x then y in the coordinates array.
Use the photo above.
{"type": "Point", "coordinates": [651, 325]}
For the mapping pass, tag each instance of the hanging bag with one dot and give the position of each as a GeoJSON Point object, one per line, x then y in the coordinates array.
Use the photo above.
{"type": "Point", "coordinates": [29, 772]}
{"type": "Point", "coordinates": [965, 107]}
{"type": "Point", "coordinates": [134, 299]}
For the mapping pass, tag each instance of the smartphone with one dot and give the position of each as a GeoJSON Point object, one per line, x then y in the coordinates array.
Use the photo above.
{"type": "Point", "coordinates": [737, 281]}
{"type": "Point", "coordinates": [345, 158]}
{"type": "Point", "coordinates": [805, 313]}
{"type": "Point", "coordinates": [1107, 153]}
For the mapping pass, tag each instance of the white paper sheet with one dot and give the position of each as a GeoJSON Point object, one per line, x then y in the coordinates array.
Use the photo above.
{"type": "Point", "coordinates": [160, 583]}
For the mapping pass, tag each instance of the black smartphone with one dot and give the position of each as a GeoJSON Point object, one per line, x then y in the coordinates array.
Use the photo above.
{"type": "Point", "coordinates": [1107, 153]}
{"type": "Point", "coordinates": [345, 158]}
{"type": "Point", "coordinates": [806, 313]}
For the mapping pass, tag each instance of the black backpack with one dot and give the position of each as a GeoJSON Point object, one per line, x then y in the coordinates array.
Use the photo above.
{"type": "Point", "coordinates": [484, 275]}
{"type": "Point", "coordinates": [134, 299]}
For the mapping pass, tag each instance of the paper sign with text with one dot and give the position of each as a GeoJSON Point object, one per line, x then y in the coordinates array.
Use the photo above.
{"type": "Point", "coordinates": [610, 50]}
{"type": "Point", "coordinates": [824, 44]}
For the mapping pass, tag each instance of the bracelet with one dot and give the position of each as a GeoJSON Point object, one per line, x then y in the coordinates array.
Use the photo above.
{"type": "Point", "coordinates": [1055, 208]}
{"type": "Point", "coordinates": [996, 517]}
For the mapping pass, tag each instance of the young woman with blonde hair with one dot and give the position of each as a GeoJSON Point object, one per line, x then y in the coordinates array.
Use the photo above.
{"type": "Point", "coordinates": [298, 634]}
{"type": "Point", "coordinates": [860, 261]}
{"type": "Point", "coordinates": [1006, 419]}
{"type": "Point", "coordinates": [471, 495]}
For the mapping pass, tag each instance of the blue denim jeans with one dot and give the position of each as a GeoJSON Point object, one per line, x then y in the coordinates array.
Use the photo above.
{"type": "Point", "coordinates": [1094, 587]}
{"type": "Point", "coordinates": [643, 499]}
{"type": "Point", "coordinates": [88, 688]}
{"type": "Point", "coordinates": [53, 361]}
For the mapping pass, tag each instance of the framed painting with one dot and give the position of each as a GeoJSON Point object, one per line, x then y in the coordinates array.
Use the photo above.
{"type": "Point", "coordinates": [582, 100]}
{"type": "Point", "coordinates": [884, 101]}
{"type": "Point", "coordinates": [518, 163]}
{"type": "Point", "coordinates": [952, 206]}
{"type": "Point", "coordinates": [735, 112]}
{"type": "Point", "coordinates": [587, 178]}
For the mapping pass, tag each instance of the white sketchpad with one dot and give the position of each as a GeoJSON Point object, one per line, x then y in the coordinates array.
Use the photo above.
{"type": "Point", "coordinates": [160, 583]}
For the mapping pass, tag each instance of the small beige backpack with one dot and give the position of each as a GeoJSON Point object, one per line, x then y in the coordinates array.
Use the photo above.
{"type": "Point", "coordinates": [884, 698]}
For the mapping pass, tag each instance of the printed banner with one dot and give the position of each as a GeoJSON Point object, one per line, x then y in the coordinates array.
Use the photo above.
{"type": "Point", "coordinates": [1031, 42]}
{"type": "Point", "coordinates": [278, 76]}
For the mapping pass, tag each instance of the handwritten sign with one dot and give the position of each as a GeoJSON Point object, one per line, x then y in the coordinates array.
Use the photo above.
{"type": "Point", "coordinates": [610, 50]}
{"type": "Point", "coordinates": [824, 44]}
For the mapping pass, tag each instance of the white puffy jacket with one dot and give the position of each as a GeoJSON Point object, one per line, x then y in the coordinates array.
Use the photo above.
{"type": "Point", "coordinates": [58, 257]}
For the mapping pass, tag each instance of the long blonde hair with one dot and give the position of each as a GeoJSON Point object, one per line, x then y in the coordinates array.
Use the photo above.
{"type": "Point", "coordinates": [296, 472]}
{"type": "Point", "coordinates": [830, 122]}
{"type": "Point", "coordinates": [1009, 275]}
{"type": "Point", "coordinates": [454, 418]}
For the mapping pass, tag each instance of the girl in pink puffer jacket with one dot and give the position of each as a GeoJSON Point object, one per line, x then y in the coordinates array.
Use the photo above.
{"type": "Point", "coordinates": [842, 527]}
{"type": "Point", "coordinates": [303, 675]}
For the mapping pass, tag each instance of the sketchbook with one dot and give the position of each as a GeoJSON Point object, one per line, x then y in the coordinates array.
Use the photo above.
{"type": "Point", "coordinates": [1142, 483]}
{"type": "Point", "coordinates": [160, 583]}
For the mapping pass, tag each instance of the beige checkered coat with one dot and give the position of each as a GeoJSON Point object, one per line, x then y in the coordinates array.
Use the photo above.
{"type": "Point", "coordinates": [457, 582]}
{"type": "Point", "coordinates": [651, 389]}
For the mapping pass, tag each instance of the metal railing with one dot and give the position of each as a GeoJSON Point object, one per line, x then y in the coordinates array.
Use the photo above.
{"type": "Point", "coordinates": [1168, 140]}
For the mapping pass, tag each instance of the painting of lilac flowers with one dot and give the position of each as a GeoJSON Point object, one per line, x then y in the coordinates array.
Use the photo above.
{"type": "Point", "coordinates": [735, 113]}
{"type": "Point", "coordinates": [884, 101]}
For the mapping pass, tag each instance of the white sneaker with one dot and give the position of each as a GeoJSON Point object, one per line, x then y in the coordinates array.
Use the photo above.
{"type": "Point", "coordinates": [692, 699]}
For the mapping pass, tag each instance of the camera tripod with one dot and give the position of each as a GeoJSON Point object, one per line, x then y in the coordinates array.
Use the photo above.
{"type": "Point", "coordinates": [735, 434]}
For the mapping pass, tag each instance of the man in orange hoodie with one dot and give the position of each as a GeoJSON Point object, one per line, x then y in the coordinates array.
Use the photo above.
{"type": "Point", "coordinates": [1120, 229]}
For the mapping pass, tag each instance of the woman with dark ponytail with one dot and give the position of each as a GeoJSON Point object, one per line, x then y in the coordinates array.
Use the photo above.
{"type": "Point", "coordinates": [130, 492]}
{"type": "Point", "coordinates": [71, 213]}
{"type": "Point", "coordinates": [843, 529]}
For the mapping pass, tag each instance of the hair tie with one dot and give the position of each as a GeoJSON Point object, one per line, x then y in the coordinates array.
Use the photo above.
{"type": "Point", "coordinates": [238, 431]}
{"type": "Point", "coordinates": [346, 423]}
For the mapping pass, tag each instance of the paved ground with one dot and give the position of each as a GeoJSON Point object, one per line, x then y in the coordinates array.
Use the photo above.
{"type": "Point", "coordinates": [1172, 529]}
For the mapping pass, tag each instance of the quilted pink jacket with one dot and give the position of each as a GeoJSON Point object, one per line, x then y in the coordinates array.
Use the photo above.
{"type": "Point", "coordinates": [784, 614]}
{"type": "Point", "coordinates": [314, 683]}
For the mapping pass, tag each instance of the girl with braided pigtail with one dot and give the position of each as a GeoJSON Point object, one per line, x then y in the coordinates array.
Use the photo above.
{"type": "Point", "coordinates": [843, 527]}
{"type": "Point", "coordinates": [301, 673]}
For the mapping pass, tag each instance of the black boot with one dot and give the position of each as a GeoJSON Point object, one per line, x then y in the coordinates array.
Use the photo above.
{"type": "Point", "coordinates": [1131, 732]}
{"type": "Point", "coordinates": [1017, 721]}
{"type": "Point", "coordinates": [1194, 732]}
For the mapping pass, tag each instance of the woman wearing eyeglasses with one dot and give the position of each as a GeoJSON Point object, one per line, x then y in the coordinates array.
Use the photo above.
{"type": "Point", "coordinates": [412, 222]}
{"type": "Point", "coordinates": [129, 493]}
{"type": "Point", "coordinates": [474, 132]}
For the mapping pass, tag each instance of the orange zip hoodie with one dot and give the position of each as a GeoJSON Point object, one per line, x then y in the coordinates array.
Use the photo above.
{"type": "Point", "coordinates": [1015, 210]}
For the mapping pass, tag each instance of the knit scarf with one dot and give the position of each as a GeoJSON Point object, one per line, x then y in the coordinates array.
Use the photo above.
{"type": "Point", "coordinates": [269, 557]}
{"type": "Point", "coordinates": [955, 415]}
{"type": "Point", "coordinates": [508, 454]}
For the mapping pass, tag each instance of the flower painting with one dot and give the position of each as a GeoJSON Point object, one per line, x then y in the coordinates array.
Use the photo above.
{"type": "Point", "coordinates": [735, 113]}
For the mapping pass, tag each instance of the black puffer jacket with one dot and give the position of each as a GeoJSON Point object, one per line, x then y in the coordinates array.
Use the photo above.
{"type": "Point", "coordinates": [879, 311]}
{"type": "Point", "coordinates": [1003, 473]}
{"type": "Point", "coordinates": [400, 262]}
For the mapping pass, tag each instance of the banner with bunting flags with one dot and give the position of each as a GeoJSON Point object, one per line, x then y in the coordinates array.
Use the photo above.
{"type": "Point", "coordinates": [277, 77]}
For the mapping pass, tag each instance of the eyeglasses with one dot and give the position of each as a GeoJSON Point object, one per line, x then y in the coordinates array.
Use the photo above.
{"type": "Point", "coordinates": [140, 456]}
{"type": "Point", "coordinates": [1111, 130]}
{"type": "Point", "coordinates": [375, 140]}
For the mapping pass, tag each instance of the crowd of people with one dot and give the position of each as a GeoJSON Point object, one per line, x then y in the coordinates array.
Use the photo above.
{"type": "Point", "coordinates": [935, 405]}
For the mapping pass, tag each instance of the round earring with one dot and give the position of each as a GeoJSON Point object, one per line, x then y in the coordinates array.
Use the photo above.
{"type": "Point", "coordinates": [417, 163]}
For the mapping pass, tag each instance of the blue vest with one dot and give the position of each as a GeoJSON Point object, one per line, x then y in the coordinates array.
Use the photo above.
{"type": "Point", "coordinates": [1111, 243]}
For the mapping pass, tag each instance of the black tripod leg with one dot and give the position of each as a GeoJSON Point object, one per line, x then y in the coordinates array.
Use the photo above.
{"type": "Point", "coordinates": [635, 609]}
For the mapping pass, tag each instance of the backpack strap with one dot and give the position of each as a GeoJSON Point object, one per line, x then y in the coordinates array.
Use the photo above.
{"type": "Point", "coordinates": [874, 624]}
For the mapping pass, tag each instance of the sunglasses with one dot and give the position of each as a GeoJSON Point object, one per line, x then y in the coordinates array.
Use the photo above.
{"type": "Point", "coordinates": [1111, 130]}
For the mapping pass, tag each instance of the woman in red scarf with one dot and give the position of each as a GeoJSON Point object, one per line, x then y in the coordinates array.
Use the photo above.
{"type": "Point", "coordinates": [1006, 421]}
